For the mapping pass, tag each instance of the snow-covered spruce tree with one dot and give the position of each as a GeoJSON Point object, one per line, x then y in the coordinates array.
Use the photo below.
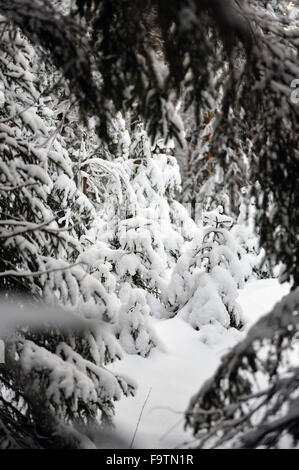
{"type": "Point", "coordinates": [252, 400]}
{"type": "Point", "coordinates": [273, 135]}
{"type": "Point", "coordinates": [143, 226]}
{"type": "Point", "coordinates": [28, 227]}
{"type": "Point", "coordinates": [205, 281]}
{"type": "Point", "coordinates": [119, 241]}
{"type": "Point", "coordinates": [256, 262]}
{"type": "Point", "coordinates": [53, 380]}
{"type": "Point", "coordinates": [205, 186]}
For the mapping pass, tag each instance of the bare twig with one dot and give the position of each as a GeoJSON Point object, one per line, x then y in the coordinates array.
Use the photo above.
{"type": "Point", "coordinates": [171, 429]}
{"type": "Point", "coordinates": [139, 419]}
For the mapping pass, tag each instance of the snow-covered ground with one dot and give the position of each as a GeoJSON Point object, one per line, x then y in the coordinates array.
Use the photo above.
{"type": "Point", "coordinates": [171, 375]}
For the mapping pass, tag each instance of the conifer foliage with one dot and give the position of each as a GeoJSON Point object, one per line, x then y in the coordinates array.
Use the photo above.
{"type": "Point", "coordinates": [54, 378]}
{"type": "Point", "coordinates": [95, 98]}
{"type": "Point", "coordinates": [139, 231]}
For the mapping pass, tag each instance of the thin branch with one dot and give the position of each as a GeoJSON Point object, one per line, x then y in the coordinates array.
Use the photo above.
{"type": "Point", "coordinates": [139, 419]}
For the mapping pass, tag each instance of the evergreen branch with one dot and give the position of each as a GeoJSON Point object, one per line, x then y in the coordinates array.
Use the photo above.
{"type": "Point", "coordinates": [40, 273]}
{"type": "Point", "coordinates": [33, 227]}
{"type": "Point", "coordinates": [20, 186]}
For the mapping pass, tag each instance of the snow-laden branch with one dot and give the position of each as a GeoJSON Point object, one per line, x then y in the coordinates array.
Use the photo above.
{"type": "Point", "coordinates": [14, 188]}
{"type": "Point", "coordinates": [31, 227]}
{"type": "Point", "coordinates": [40, 273]}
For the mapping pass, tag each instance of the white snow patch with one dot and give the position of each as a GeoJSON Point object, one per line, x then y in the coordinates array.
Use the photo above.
{"type": "Point", "coordinates": [259, 297]}
{"type": "Point", "coordinates": [177, 372]}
